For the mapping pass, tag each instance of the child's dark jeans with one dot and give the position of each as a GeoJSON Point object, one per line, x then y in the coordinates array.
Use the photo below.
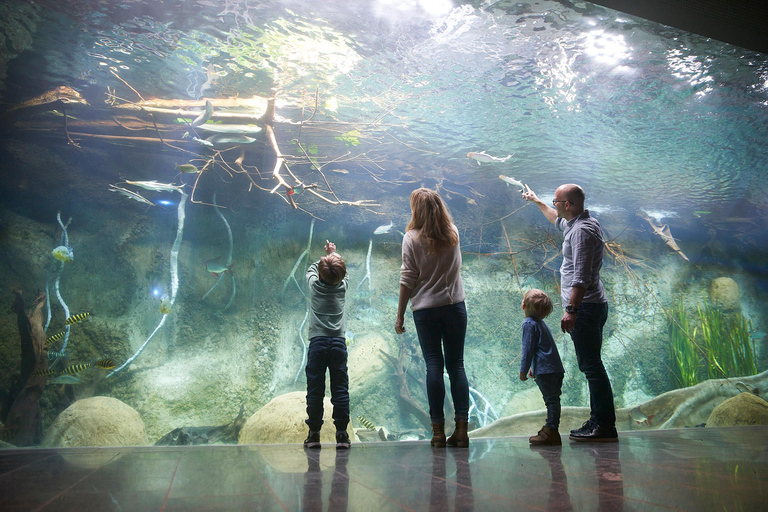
{"type": "Point", "coordinates": [550, 385]}
{"type": "Point", "coordinates": [330, 353]}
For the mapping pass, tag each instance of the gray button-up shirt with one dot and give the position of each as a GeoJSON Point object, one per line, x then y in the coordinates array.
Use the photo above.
{"type": "Point", "coordinates": [582, 258]}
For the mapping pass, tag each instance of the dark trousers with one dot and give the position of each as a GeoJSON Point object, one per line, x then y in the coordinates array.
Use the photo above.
{"type": "Point", "coordinates": [330, 353]}
{"type": "Point", "coordinates": [587, 339]}
{"type": "Point", "coordinates": [441, 331]}
{"type": "Point", "coordinates": [550, 385]}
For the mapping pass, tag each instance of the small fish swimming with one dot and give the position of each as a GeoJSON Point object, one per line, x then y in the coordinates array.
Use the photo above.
{"type": "Point", "coordinates": [640, 417]}
{"type": "Point", "coordinates": [367, 424]}
{"type": "Point", "coordinates": [56, 337]}
{"type": "Point", "coordinates": [383, 229]}
{"type": "Point", "coordinates": [104, 364]}
{"type": "Point", "coordinates": [154, 185]}
{"type": "Point", "coordinates": [217, 268]}
{"type": "Point", "coordinates": [340, 171]}
{"type": "Point", "coordinates": [52, 354]}
{"type": "Point", "coordinates": [132, 195]}
{"type": "Point", "coordinates": [202, 142]}
{"type": "Point", "coordinates": [232, 129]}
{"type": "Point", "coordinates": [66, 379]}
{"type": "Point", "coordinates": [76, 318]}
{"type": "Point", "coordinates": [205, 116]}
{"type": "Point", "coordinates": [187, 168]}
{"type": "Point", "coordinates": [512, 181]}
{"type": "Point", "coordinates": [225, 138]}
{"type": "Point", "coordinates": [40, 373]}
{"type": "Point", "coordinates": [482, 156]}
{"type": "Point", "coordinates": [75, 368]}
{"type": "Point", "coordinates": [63, 253]}
{"type": "Point", "coordinates": [165, 304]}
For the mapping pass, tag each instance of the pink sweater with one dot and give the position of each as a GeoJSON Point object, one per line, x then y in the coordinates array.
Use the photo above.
{"type": "Point", "coordinates": [434, 279]}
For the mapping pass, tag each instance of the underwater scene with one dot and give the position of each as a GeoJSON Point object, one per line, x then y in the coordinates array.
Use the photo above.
{"type": "Point", "coordinates": [171, 169]}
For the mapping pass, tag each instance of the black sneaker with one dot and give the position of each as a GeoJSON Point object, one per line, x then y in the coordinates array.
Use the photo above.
{"type": "Point", "coordinates": [342, 440]}
{"type": "Point", "coordinates": [312, 440]}
{"type": "Point", "coordinates": [588, 426]}
{"type": "Point", "coordinates": [597, 435]}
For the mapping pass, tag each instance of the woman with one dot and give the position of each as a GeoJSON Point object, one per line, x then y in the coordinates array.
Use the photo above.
{"type": "Point", "coordinates": [430, 277]}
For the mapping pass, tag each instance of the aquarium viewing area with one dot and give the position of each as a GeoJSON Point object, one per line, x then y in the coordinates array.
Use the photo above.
{"type": "Point", "coordinates": [172, 171]}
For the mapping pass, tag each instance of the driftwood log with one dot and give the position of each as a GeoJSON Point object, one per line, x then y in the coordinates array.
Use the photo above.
{"type": "Point", "coordinates": [23, 424]}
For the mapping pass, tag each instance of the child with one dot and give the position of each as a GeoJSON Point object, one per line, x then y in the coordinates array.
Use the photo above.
{"type": "Point", "coordinates": [327, 280]}
{"type": "Point", "coordinates": [539, 349]}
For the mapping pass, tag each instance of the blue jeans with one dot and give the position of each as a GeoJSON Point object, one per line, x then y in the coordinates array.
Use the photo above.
{"type": "Point", "coordinates": [550, 385]}
{"type": "Point", "coordinates": [443, 329]}
{"type": "Point", "coordinates": [330, 353]}
{"type": "Point", "coordinates": [587, 339]}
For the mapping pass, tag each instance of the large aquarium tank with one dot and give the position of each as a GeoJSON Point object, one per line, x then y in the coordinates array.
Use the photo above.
{"type": "Point", "coordinates": [171, 169]}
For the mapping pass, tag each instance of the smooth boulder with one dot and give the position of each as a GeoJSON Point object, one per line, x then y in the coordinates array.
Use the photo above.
{"type": "Point", "coordinates": [742, 409]}
{"type": "Point", "coordinates": [97, 421]}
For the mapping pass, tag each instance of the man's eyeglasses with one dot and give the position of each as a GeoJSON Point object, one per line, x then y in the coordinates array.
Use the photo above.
{"type": "Point", "coordinates": [555, 201]}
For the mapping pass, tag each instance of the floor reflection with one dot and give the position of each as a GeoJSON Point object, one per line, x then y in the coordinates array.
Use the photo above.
{"type": "Point", "coordinates": [312, 497]}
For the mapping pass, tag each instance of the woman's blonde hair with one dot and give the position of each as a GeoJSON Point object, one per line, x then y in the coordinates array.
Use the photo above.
{"type": "Point", "coordinates": [537, 304]}
{"type": "Point", "coordinates": [432, 219]}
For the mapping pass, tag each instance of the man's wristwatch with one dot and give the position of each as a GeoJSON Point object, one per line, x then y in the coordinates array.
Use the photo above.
{"type": "Point", "coordinates": [570, 309]}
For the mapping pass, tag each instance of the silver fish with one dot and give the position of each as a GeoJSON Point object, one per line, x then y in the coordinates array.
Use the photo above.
{"type": "Point", "coordinates": [205, 116]}
{"type": "Point", "coordinates": [225, 138]}
{"type": "Point", "coordinates": [154, 185]}
{"type": "Point", "coordinates": [66, 379]}
{"type": "Point", "coordinates": [203, 142]}
{"type": "Point", "coordinates": [482, 156]}
{"type": "Point", "coordinates": [131, 194]}
{"type": "Point", "coordinates": [237, 129]}
{"type": "Point", "coordinates": [383, 229]}
{"type": "Point", "coordinates": [512, 181]}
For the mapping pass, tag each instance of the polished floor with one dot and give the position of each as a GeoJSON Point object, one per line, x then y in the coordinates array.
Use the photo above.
{"type": "Point", "coordinates": [723, 469]}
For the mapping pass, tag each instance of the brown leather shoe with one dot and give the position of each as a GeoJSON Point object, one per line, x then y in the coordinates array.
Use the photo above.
{"type": "Point", "coordinates": [459, 438]}
{"type": "Point", "coordinates": [546, 437]}
{"type": "Point", "coordinates": [438, 435]}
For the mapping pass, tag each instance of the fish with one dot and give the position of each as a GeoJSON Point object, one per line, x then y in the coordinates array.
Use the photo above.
{"type": "Point", "coordinates": [340, 171]}
{"type": "Point", "coordinates": [104, 364]}
{"type": "Point", "coordinates": [233, 129]}
{"type": "Point", "coordinates": [64, 254]}
{"type": "Point", "coordinates": [367, 424]}
{"type": "Point", "coordinates": [482, 156]}
{"type": "Point", "coordinates": [40, 373]}
{"type": "Point", "coordinates": [165, 304]}
{"type": "Point", "coordinates": [52, 354]}
{"type": "Point", "coordinates": [640, 417]}
{"type": "Point", "coordinates": [76, 318]}
{"type": "Point", "coordinates": [205, 116]}
{"type": "Point", "coordinates": [56, 337]}
{"type": "Point", "coordinates": [225, 138]}
{"type": "Point", "coordinates": [66, 379]}
{"type": "Point", "coordinates": [132, 195]}
{"type": "Point", "coordinates": [154, 185]}
{"type": "Point", "coordinates": [187, 168]}
{"type": "Point", "coordinates": [75, 368]}
{"type": "Point", "coordinates": [383, 229]}
{"type": "Point", "coordinates": [512, 181]}
{"type": "Point", "coordinates": [217, 268]}
{"type": "Point", "coordinates": [202, 142]}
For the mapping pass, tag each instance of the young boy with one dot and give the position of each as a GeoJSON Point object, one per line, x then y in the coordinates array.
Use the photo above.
{"type": "Point", "coordinates": [327, 280]}
{"type": "Point", "coordinates": [539, 349]}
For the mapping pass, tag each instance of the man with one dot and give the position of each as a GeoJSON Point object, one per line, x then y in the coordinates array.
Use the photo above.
{"type": "Point", "coordinates": [586, 305]}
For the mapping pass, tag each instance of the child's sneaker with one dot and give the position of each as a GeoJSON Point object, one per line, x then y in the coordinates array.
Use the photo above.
{"type": "Point", "coordinates": [312, 440]}
{"type": "Point", "coordinates": [342, 440]}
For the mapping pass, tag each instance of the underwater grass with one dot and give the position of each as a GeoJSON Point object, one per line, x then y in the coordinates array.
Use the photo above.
{"type": "Point", "coordinates": [730, 352]}
{"type": "Point", "coordinates": [719, 347]}
{"type": "Point", "coordinates": [684, 353]}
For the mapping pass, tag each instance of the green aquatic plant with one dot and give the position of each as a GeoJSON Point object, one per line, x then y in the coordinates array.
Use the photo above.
{"type": "Point", "coordinates": [719, 346]}
{"type": "Point", "coordinates": [729, 349]}
{"type": "Point", "coordinates": [684, 353]}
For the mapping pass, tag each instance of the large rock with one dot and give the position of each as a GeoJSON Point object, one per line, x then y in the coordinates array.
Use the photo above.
{"type": "Point", "coordinates": [742, 409]}
{"type": "Point", "coordinates": [282, 421]}
{"type": "Point", "coordinates": [724, 293]}
{"type": "Point", "coordinates": [97, 421]}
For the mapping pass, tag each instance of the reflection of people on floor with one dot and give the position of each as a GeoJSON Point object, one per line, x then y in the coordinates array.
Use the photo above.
{"type": "Point", "coordinates": [610, 482]}
{"type": "Point", "coordinates": [464, 499]}
{"type": "Point", "coordinates": [312, 497]}
{"type": "Point", "coordinates": [559, 499]}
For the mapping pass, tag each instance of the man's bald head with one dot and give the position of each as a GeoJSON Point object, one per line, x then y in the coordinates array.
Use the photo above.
{"type": "Point", "coordinates": [572, 193]}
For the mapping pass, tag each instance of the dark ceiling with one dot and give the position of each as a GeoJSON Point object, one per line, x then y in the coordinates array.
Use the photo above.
{"type": "Point", "coordinates": [739, 22]}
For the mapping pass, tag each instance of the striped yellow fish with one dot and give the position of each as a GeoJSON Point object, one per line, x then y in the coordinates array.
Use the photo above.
{"type": "Point", "coordinates": [75, 368]}
{"type": "Point", "coordinates": [55, 337]}
{"type": "Point", "coordinates": [106, 364]}
{"type": "Point", "coordinates": [76, 318]}
{"type": "Point", "coordinates": [39, 373]}
{"type": "Point", "coordinates": [367, 424]}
